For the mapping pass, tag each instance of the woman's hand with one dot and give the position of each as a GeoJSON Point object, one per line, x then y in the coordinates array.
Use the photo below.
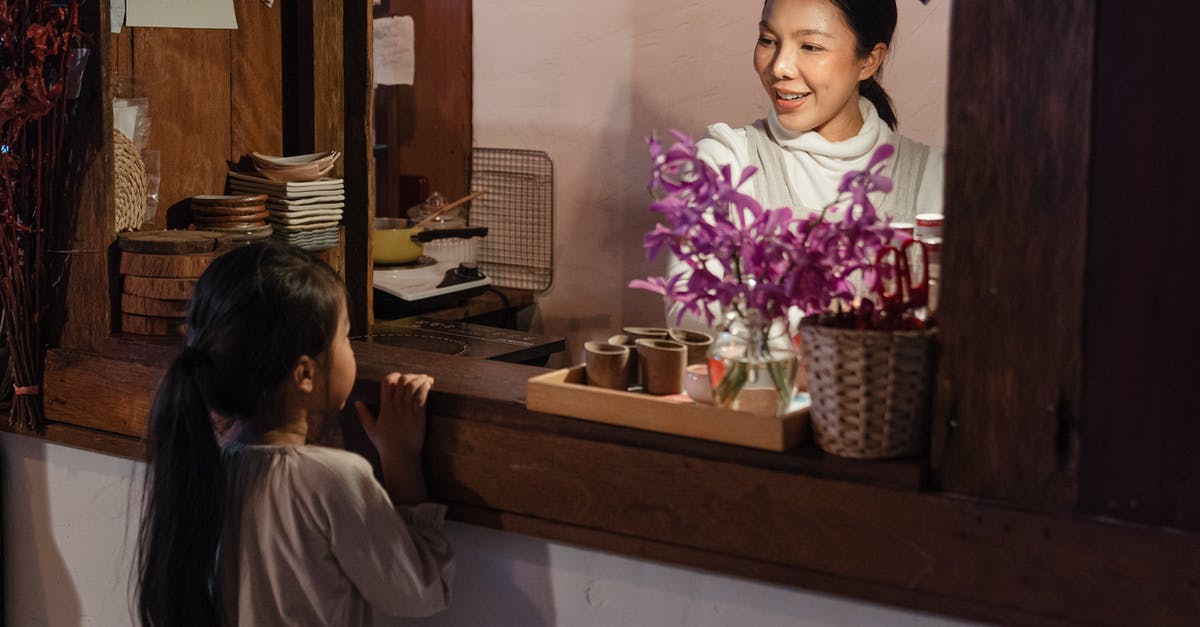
{"type": "Point", "coordinates": [399, 428]}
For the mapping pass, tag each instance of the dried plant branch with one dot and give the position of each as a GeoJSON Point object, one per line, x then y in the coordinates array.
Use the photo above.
{"type": "Point", "coordinates": [35, 43]}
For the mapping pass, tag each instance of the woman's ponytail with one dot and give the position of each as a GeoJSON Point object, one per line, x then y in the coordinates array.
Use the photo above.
{"type": "Point", "coordinates": [873, 91]}
{"type": "Point", "coordinates": [873, 23]}
{"type": "Point", "coordinates": [184, 509]}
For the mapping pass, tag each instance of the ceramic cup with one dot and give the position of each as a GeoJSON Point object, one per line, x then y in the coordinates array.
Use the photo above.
{"type": "Point", "coordinates": [637, 333]}
{"type": "Point", "coordinates": [662, 363]}
{"type": "Point", "coordinates": [697, 344]}
{"type": "Point", "coordinates": [696, 384]}
{"type": "Point", "coordinates": [634, 370]}
{"type": "Point", "coordinates": [607, 365]}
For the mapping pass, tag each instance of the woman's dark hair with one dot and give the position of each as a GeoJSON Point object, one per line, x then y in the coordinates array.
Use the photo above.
{"type": "Point", "coordinates": [254, 312]}
{"type": "Point", "coordinates": [873, 22]}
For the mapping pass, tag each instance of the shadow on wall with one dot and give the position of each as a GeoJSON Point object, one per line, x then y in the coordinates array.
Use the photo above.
{"type": "Point", "coordinates": [501, 580]}
{"type": "Point", "coordinates": [38, 587]}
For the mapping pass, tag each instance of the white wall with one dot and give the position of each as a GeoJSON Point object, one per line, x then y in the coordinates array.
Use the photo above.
{"type": "Point", "coordinates": [69, 533]}
{"type": "Point", "coordinates": [586, 82]}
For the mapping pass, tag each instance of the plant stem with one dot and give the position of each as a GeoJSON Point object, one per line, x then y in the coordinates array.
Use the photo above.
{"type": "Point", "coordinates": [736, 375]}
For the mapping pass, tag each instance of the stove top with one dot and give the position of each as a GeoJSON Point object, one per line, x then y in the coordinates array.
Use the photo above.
{"type": "Point", "coordinates": [425, 285]}
{"type": "Point", "coordinates": [466, 339]}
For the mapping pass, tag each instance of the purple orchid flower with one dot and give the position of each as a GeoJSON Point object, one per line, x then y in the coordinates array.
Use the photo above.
{"type": "Point", "coordinates": [736, 253]}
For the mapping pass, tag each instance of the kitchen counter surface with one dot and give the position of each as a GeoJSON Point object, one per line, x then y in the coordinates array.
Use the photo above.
{"type": "Point", "coordinates": [865, 529]}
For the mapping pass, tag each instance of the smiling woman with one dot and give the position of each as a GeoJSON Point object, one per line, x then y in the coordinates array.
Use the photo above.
{"type": "Point", "coordinates": [819, 62]}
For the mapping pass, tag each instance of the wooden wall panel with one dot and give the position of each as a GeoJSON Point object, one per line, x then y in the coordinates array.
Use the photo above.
{"type": "Point", "coordinates": [840, 537]}
{"type": "Point", "coordinates": [1141, 332]}
{"type": "Point", "coordinates": [1017, 160]}
{"type": "Point", "coordinates": [427, 126]}
{"type": "Point", "coordinates": [185, 74]}
{"type": "Point", "coordinates": [214, 95]}
{"type": "Point", "coordinates": [329, 100]}
{"type": "Point", "coordinates": [256, 81]}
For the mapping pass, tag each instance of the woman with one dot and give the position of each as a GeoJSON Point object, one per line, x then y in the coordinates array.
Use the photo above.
{"type": "Point", "coordinates": [819, 62]}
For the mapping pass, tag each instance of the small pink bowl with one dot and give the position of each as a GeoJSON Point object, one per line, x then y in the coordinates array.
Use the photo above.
{"type": "Point", "coordinates": [695, 383]}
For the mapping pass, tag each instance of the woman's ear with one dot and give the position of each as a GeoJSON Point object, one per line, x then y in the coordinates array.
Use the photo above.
{"type": "Point", "coordinates": [873, 61]}
{"type": "Point", "coordinates": [304, 374]}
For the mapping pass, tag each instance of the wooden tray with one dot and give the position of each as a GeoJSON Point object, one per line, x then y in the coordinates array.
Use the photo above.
{"type": "Point", "coordinates": [566, 393]}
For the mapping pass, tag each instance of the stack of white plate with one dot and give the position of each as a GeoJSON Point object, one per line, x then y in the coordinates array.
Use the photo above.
{"type": "Point", "coordinates": [303, 213]}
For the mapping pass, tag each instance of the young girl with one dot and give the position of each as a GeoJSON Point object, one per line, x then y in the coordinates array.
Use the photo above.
{"type": "Point", "coordinates": [260, 529]}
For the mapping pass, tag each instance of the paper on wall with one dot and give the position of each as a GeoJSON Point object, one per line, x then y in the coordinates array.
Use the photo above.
{"type": "Point", "coordinates": [116, 15]}
{"type": "Point", "coordinates": [394, 58]}
{"type": "Point", "coordinates": [180, 13]}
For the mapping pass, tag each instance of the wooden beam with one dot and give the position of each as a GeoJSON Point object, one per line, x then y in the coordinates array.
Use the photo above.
{"type": "Point", "coordinates": [1017, 171]}
{"type": "Point", "coordinates": [84, 312]}
{"type": "Point", "coordinates": [359, 161]}
{"type": "Point", "coordinates": [1141, 333]}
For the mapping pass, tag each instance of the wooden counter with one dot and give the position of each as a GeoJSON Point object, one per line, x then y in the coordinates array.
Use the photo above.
{"type": "Point", "coordinates": [857, 528]}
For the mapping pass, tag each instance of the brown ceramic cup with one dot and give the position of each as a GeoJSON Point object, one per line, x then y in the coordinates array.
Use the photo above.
{"type": "Point", "coordinates": [637, 333]}
{"type": "Point", "coordinates": [662, 363]}
{"type": "Point", "coordinates": [697, 344]}
{"type": "Point", "coordinates": [634, 369]}
{"type": "Point", "coordinates": [607, 365]}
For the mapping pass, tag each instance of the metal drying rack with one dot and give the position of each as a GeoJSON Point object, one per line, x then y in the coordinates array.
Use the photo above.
{"type": "Point", "coordinates": [518, 210]}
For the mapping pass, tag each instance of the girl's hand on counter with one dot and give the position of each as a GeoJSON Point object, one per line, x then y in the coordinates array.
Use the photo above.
{"type": "Point", "coordinates": [399, 428]}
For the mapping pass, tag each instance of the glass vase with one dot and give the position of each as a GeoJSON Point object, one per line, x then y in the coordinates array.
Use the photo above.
{"type": "Point", "coordinates": [752, 365]}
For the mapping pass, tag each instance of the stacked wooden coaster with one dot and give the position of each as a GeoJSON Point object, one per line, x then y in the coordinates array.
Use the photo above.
{"type": "Point", "coordinates": [160, 269]}
{"type": "Point", "coordinates": [243, 216]}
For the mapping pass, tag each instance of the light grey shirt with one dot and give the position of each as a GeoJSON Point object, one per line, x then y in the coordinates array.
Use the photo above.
{"type": "Point", "coordinates": [311, 538]}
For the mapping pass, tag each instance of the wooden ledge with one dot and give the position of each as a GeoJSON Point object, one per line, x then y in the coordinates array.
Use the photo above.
{"type": "Point", "coordinates": [863, 529]}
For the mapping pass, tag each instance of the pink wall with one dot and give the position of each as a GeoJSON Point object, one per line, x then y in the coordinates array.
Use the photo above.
{"type": "Point", "coordinates": [586, 82]}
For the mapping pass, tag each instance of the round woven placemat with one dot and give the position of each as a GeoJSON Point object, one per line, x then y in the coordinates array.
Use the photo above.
{"type": "Point", "coordinates": [130, 183]}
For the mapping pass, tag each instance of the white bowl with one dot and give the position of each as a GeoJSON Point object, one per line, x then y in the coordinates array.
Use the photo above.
{"type": "Point", "coordinates": [271, 161]}
{"type": "Point", "coordinates": [308, 172]}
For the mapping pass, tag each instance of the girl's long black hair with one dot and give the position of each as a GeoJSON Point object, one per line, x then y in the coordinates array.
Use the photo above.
{"type": "Point", "coordinates": [254, 312]}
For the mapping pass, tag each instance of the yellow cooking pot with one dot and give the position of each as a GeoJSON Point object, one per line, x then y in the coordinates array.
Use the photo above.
{"type": "Point", "coordinates": [394, 242]}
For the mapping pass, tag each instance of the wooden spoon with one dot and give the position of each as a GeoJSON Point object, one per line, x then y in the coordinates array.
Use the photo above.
{"type": "Point", "coordinates": [448, 206]}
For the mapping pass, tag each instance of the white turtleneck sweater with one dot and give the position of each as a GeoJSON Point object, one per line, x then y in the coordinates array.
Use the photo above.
{"type": "Point", "coordinates": [815, 165]}
{"type": "Point", "coordinates": [814, 169]}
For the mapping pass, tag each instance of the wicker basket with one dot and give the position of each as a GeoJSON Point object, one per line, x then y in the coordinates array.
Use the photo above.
{"type": "Point", "coordinates": [870, 390]}
{"type": "Point", "coordinates": [130, 183]}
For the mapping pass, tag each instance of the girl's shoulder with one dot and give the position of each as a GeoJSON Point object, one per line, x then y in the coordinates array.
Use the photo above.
{"type": "Point", "coordinates": [315, 462]}
{"type": "Point", "coordinates": [332, 459]}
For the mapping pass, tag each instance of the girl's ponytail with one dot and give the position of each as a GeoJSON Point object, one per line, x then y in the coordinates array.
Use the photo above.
{"type": "Point", "coordinates": [873, 91]}
{"type": "Point", "coordinates": [184, 509]}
